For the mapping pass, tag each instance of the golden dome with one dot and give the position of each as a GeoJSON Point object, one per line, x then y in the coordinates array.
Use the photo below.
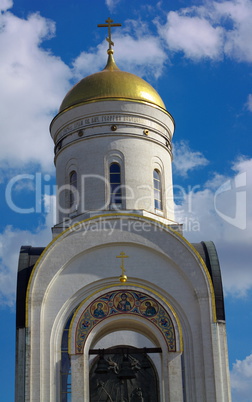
{"type": "Point", "coordinates": [111, 83]}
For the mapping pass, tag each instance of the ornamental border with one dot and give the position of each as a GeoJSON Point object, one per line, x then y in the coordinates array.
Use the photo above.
{"type": "Point", "coordinates": [124, 302]}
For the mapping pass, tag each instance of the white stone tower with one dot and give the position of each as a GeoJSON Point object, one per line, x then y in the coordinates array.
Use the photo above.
{"type": "Point", "coordinates": [119, 306]}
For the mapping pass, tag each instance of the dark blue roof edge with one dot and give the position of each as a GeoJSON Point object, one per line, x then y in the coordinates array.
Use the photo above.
{"type": "Point", "coordinates": [208, 252]}
{"type": "Point", "coordinates": [27, 259]}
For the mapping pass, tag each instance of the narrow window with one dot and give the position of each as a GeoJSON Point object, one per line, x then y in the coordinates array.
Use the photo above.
{"type": "Point", "coordinates": [115, 183]}
{"type": "Point", "coordinates": [65, 369]}
{"type": "Point", "coordinates": [73, 190]}
{"type": "Point", "coordinates": [157, 189]}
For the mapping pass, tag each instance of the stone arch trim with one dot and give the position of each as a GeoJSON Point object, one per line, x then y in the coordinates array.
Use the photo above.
{"type": "Point", "coordinates": [126, 303]}
{"type": "Point", "coordinates": [60, 238]}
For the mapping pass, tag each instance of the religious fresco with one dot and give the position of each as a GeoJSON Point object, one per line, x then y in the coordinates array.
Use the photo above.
{"type": "Point", "coordinates": [124, 302]}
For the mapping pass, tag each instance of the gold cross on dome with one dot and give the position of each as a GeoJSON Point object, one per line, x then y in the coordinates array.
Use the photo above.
{"type": "Point", "coordinates": [109, 25]}
{"type": "Point", "coordinates": [122, 255]}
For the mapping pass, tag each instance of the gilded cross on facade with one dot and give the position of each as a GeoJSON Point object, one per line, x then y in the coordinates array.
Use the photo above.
{"type": "Point", "coordinates": [123, 277]}
{"type": "Point", "coordinates": [108, 25]}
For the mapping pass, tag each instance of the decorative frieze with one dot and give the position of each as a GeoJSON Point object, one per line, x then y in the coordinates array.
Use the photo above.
{"type": "Point", "coordinates": [128, 303]}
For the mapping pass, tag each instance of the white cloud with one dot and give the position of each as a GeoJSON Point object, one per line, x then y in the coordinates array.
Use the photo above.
{"type": "Point", "coordinates": [138, 52]}
{"type": "Point", "coordinates": [224, 215]}
{"type": "Point", "coordinates": [5, 5]}
{"type": "Point", "coordinates": [212, 30]}
{"type": "Point", "coordinates": [11, 239]}
{"type": "Point", "coordinates": [142, 56]}
{"type": "Point", "coordinates": [33, 83]}
{"type": "Point", "coordinates": [111, 4]}
{"type": "Point", "coordinates": [216, 181]}
{"type": "Point", "coordinates": [88, 62]}
{"type": "Point", "coordinates": [241, 380]}
{"type": "Point", "coordinates": [193, 35]}
{"type": "Point", "coordinates": [249, 103]}
{"type": "Point", "coordinates": [185, 159]}
{"type": "Point", "coordinates": [238, 39]}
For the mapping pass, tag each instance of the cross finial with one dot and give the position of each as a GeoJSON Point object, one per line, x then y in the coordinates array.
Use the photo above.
{"type": "Point", "coordinates": [122, 255]}
{"type": "Point", "coordinates": [109, 25]}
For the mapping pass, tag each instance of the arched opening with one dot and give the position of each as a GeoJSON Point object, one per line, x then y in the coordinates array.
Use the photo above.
{"type": "Point", "coordinates": [141, 328]}
{"type": "Point", "coordinates": [145, 356]}
{"type": "Point", "coordinates": [115, 184]}
{"type": "Point", "coordinates": [123, 373]}
{"type": "Point", "coordinates": [157, 189]}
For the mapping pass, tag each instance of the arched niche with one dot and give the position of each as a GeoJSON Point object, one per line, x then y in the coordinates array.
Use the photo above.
{"type": "Point", "coordinates": [108, 316]}
{"type": "Point", "coordinates": [123, 373]}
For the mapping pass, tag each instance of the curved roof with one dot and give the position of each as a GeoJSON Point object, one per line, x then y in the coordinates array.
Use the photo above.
{"type": "Point", "coordinates": [29, 255]}
{"type": "Point", "coordinates": [208, 252]}
{"type": "Point", "coordinates": [111, 83]}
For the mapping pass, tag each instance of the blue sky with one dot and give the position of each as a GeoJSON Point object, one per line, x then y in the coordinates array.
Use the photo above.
{"type": "Point", "coordinates": [198, 55]}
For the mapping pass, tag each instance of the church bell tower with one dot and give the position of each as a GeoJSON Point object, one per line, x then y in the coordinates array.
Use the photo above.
{"type": "Point", "coordinates": [119, 306]}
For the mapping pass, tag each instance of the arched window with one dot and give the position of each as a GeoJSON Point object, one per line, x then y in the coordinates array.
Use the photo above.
{"type": "Point", "coordinates": [73, 190]}
{"type": "Point", "coordinates": [157, 189]}
{"type": "Point", "coordinates": [115, 183]}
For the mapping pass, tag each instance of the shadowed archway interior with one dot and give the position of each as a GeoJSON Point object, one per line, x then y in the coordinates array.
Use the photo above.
{"type": "Point", "coordinates": [127, 375]}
